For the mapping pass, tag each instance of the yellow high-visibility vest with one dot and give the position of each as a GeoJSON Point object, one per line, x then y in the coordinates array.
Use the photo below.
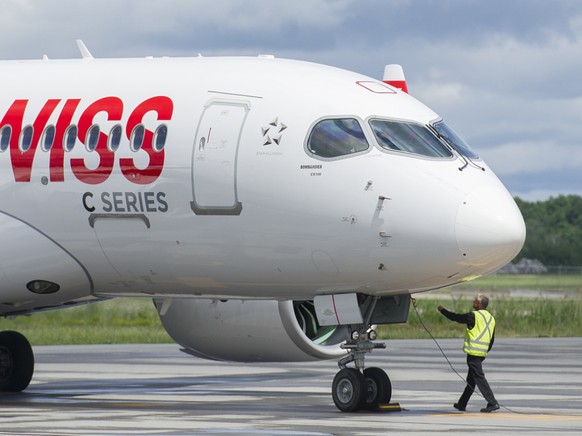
{"type": "Point", "coordinates": [478, 338]}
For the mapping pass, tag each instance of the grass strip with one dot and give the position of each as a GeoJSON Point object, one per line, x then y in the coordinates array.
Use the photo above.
{"type": "Point", "coordinates": [126, 320]}
{"type": "Point", "coordinates": [515, 318]}
{"type": "Point", "coordinates": [116, 321]}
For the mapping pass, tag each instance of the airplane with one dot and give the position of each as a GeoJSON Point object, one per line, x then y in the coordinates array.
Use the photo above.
{"type": "Point", "coordinates": [272, 209]}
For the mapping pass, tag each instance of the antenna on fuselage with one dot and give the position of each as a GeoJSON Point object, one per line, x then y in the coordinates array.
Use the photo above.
{"type": "Point", "coordinates": [84, 50]}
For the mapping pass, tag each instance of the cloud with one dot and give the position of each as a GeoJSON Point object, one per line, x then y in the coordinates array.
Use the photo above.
{"type": "Point", "coordinates": [504, 74]}
{"type": "Point", "coordinates": [533, 157]}
{"type": "Point", "coordinates": [543, 194]}
{"type": "Point", "coordinates": [167, 26]}
{"type": "Point", "coordinates": [537, 170]}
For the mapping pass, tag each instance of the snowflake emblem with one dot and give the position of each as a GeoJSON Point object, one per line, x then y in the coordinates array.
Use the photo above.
{"type": "Point", "coordinates": [273, 132]}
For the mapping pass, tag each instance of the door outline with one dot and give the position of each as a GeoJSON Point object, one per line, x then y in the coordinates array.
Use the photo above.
{"type": "Point", "coordinates": [217, 137]}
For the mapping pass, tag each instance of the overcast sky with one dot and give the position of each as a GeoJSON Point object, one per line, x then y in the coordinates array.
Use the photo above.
{"type": "Point", "coordinates": [506, 74]}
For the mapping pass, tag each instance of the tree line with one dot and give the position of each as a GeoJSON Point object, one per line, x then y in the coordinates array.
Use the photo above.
{"type": "Point", "coordinates": [554, 230]}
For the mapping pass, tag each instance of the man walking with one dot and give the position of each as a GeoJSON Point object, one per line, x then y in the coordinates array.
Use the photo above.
{"type": "Point", "coordinates": [479, 338]}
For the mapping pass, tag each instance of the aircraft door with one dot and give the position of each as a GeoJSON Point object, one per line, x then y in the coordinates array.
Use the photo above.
{"type": "Point", "coordinates": [214, 158]}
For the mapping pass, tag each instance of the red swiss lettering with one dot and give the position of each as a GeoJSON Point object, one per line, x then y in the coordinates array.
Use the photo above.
{"type": "Point", "coordinates": [113, 106]}
{"type": "Point", "coordinates": [22, 160]}
{"type": "Point", "coordinates": [164, 108]}
{"type": "Point", "coordinates": [57, 157]}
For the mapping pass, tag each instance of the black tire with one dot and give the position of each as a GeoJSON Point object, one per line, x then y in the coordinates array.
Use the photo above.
{"type": "Point", "coordinates": [349, 390]}
{"type": "Point", "coordinates": [378, 388]}
{"type": "Point", "coordinates": [16, 362]}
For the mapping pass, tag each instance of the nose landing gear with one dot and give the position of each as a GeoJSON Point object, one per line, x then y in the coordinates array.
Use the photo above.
{"type": "Point", "coordinates": [358, 388]}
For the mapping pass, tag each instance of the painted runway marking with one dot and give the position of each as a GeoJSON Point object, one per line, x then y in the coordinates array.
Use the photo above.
{"type": "Point", "coordinates": [510, 416]}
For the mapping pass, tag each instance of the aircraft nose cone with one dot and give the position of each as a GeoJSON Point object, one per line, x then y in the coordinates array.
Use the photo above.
{"type": "Point", "coordinates": [490, 229]}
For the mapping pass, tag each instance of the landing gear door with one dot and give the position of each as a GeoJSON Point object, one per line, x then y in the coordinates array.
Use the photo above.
{"type": "Point", "coordinates": [214, 158]}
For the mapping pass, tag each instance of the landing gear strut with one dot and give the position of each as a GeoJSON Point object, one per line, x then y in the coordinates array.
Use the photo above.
{"type": "Point", "coordinates": [358, 388]}
{"type": "Point", "coordinates": [16, 362]}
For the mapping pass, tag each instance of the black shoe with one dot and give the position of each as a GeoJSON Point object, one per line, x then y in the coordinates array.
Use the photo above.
{"type": "Point", "coordinates": [459, 407]}
{"type": "Point", "coordinates": [490, 408]}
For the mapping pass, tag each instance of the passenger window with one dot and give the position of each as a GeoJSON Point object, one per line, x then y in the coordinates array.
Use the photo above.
{"type": "Point", "coordinates": [408, 137]}
{"type": "Point", "coordinates": [137, 135]}
{"type": "Point", "coordinates": [70, 138]}
{"type": "Point", "coordinates": [5, 135]}
{"type": "Point", "coordinates": [92, 138]}
{"type": "Point", "coordinates": [26, 138]}
{"type": "Point", "coordinates": [114, 138]}
{"type": "Point", "coordinates": [160, 137]}
{"type": "Point", "coordinates": [337, 137]}
{"type": "Point", "coordinates": [48, 138]}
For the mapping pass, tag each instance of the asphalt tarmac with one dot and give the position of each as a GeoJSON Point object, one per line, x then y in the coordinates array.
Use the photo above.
{"type": "Point", "coordinates": [157, 390]}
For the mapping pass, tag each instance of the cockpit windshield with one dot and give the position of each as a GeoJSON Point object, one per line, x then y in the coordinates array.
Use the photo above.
{"type": "Point", "coordinates": [337, 137]}
{"type": "Point", "coordinates": [454, 140]}
{"type": "Point", "coordinates": [408, 137]}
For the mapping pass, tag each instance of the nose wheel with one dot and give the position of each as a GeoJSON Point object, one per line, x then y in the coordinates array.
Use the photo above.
{"type": "Point", "coordinates": [349, 390]}
{"type": "Point", "coordinates": [357, 388]}
{"type": "Point", "coordinates": [379, 388]}
{"type": "Point", "coordinates": [353, 391]}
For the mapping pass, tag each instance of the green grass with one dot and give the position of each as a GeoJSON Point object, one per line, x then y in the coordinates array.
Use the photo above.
{"type": "Point", "coordinates": [514, 317]}
{"type": "Point", "coordinates": [569, 282]}
{"type": "Point", "coordinates": [117, 321]}
{"type": "Point", "coordinates": [126, 320]}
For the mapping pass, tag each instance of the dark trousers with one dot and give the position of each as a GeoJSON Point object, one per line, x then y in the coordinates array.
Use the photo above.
{"type": "Point", "coordinates": [476, 376]}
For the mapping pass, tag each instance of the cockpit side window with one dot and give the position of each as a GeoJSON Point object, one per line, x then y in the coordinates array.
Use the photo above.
{"type": "Point", "coordinates": [454, 140]}
{"type": "Point", "coordinates": [337, 137]}
{"type": "Point", "coordinates": [408, 137]}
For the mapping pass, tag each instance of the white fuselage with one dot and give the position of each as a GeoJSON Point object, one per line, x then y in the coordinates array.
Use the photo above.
{"type": "Point", "coordinates": [234, 205]}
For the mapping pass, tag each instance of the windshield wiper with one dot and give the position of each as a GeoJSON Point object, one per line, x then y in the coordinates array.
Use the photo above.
{"type": "Point", "coordinates": [456, 150]}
